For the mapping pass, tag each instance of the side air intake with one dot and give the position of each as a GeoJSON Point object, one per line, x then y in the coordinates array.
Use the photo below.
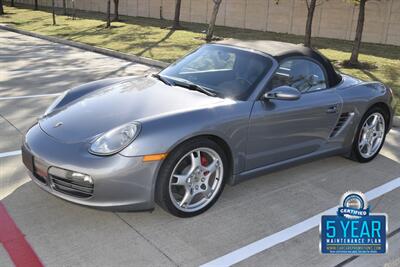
{"type": "Point", "coordinates": [343, 120]}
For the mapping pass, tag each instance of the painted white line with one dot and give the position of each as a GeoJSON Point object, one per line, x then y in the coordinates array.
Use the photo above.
{"type": "Point", "coordinates": [110, 67]}
{"type": "Point", "coordinates": [292, 231]}
{"type": "Point", "coordinates": [28, 96]}
{"type": "Point", "coordinates": [9, 154]}
{"type": "Point", "coordinates": [16, 56]}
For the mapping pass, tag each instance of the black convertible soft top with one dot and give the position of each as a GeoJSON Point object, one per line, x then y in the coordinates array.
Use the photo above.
{"type": "Point", "coordinates": [280, 51]}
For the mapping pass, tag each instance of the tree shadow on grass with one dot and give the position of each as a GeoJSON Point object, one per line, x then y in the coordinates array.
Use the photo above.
{"type": "Point", "coordinates": [7, 14]}
{"type": "Point", "coordinates": [393, 77]}
{"type": "Point", "coordinates": [151, 46]}
{"type": "Point", "coordinates": [370, 75]}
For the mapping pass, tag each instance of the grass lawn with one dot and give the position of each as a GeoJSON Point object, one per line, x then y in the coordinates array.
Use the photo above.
{"type": "Point", "coordinates": [151, 38]}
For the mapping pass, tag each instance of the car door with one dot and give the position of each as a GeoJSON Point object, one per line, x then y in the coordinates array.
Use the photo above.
{"type": "Point", "coordinates": [281, 129]}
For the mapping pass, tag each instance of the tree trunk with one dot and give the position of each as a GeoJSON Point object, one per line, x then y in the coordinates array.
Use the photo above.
{"type": "Point", "coordinates": [53, 7]}
{"type": "Point", "coordinates": [359, 32]}
{"type": "Point", "coordinates": [36, 5]}
{"type": "Point", "coordinates": [108, 25]}
{"type": "Point", "coordinates": [211, 26]}
{"type": "Point", "coordinates": [64, 3]}
{"type": "Point", "coordinates": [116, 13]}
{"type": "Point", "coordinates": [177, 23]}
{"type": "Point", "coordinates": [1, 7]}
{"type": "Point", "coordinates": [12, 3]}
{"type": "Point", "coordinates": [73, 10]}
{"type": "Point", "coordinates": [310, 15]}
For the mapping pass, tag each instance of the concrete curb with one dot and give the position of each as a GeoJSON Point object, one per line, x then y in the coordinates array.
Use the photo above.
{"type": "Point", "coordinates": [104, 51]}
{"type": "Point", "coordinates": [396, 121]}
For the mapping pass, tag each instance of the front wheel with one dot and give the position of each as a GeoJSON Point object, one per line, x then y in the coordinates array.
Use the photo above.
{"type": "Point", "coordinates": [192, 178]}
{"type": "Point", "coordinates": [370, 135]}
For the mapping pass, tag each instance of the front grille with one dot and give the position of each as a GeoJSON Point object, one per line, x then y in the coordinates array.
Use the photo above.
{"type": "Point", "coordinates": [63, 181]}
{"type": "Point", "coordinates": [70, 188]}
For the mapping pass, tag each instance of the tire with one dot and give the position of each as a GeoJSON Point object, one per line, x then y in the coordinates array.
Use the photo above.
{"type": "Point", "coordinates": [201, 156]}
{"type": "Point", "coordinates": [360, 154]}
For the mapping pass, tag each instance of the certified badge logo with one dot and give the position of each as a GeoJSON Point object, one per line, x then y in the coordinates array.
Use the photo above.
{"type": "Point", "coordinates": [354, 205]}
{"type": "Point", "coordinates": [353, 230]}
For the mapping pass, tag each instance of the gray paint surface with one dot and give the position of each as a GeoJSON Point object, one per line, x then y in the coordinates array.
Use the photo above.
{"type": "Point", "coordinates": [63, 234]}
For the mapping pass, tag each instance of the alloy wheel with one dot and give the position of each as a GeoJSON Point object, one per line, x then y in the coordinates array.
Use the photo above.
{"type": "Point", "coordinates": [196, 179]}
{"type": "Point", "coordinates": [371, 135]}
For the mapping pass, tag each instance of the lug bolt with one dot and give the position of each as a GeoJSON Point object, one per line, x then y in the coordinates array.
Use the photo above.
{"type": "Point", "coordinates": [203, 179]}
{"type": "Point", "coordinates": [197, 187]}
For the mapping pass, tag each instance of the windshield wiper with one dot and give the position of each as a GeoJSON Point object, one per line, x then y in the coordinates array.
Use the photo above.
{"type": "Point", "coordinates": [192, 86]}
{"type": "Point", "coordinates": [162, 78]}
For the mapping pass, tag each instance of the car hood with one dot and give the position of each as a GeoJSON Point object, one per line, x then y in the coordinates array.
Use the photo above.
{"type": "Point", "coordinates": [135, 99]}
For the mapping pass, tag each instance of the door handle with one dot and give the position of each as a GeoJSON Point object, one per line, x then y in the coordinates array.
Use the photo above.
{"type": "Point", "coordinates": [332, 109]}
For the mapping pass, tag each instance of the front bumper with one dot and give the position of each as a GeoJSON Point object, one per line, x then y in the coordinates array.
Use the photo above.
{"type": "Point", "coordinates": [119, 183]}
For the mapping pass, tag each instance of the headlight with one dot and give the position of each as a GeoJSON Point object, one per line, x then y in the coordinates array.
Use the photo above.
{"type": "Point", "coordinates": [115, 140]}
{"type": "Point", "coordinates": [55, 103]}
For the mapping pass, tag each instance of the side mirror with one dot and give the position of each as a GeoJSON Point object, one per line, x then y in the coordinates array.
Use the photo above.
{"type": "Point", "coordinates": [283, 93]}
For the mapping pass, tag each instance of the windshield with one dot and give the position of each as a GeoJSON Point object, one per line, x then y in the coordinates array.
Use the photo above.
{"type": "Point", "coordinates": [226, 71]}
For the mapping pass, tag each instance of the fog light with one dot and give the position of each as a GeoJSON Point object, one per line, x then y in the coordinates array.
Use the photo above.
{"type": "Point", "coordinates": [82, 177]}
{"type": "Point", "coordinates": [72, 176]}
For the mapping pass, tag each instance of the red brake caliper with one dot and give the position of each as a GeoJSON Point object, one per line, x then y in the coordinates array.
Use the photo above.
{"type": "Point", "coordinates": [204, 162]}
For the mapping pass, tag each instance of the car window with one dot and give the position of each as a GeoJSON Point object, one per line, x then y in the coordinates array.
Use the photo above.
{"type": "Point", "coordinates": [209, 61]}
{"type": "Point", "coordinates": [303, 74]}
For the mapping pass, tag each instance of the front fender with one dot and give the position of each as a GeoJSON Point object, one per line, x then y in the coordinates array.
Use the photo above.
{"type": "Point", "coordinates": [162, 134]}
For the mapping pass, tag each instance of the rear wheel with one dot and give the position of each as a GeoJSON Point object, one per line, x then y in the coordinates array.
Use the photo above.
{"type": "Point", "coordinates": [370, 135]}
{"type": "Point", "coordinates": [192, 178]}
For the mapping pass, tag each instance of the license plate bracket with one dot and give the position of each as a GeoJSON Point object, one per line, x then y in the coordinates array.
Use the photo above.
{"type": "Point", "coordinates": [27, 159]}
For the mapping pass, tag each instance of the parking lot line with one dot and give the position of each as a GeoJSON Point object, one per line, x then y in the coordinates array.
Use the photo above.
{"type": "Point", "coordinates": [15, 56]}
{"type": "Point", "coordinates": [292, 231]}
{"type": "Point", "coordinates": [28, 96]}
{"type": "Point", "coordinates": [67, 68]}
{"type": "Point", "coordinates": [10, 153]}
{"type": "Point", "coordinates": [14, 242]}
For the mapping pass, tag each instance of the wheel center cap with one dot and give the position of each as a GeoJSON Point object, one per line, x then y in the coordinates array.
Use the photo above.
{"type": "Point", "coordinates": [370, 134]}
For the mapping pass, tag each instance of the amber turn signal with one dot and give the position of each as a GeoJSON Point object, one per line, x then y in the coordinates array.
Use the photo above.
{"type": "Point", "coordinates": [154, 157]}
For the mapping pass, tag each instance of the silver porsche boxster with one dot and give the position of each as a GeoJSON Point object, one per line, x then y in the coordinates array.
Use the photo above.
{"type": "Point", "coordinates": [224, 113]}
